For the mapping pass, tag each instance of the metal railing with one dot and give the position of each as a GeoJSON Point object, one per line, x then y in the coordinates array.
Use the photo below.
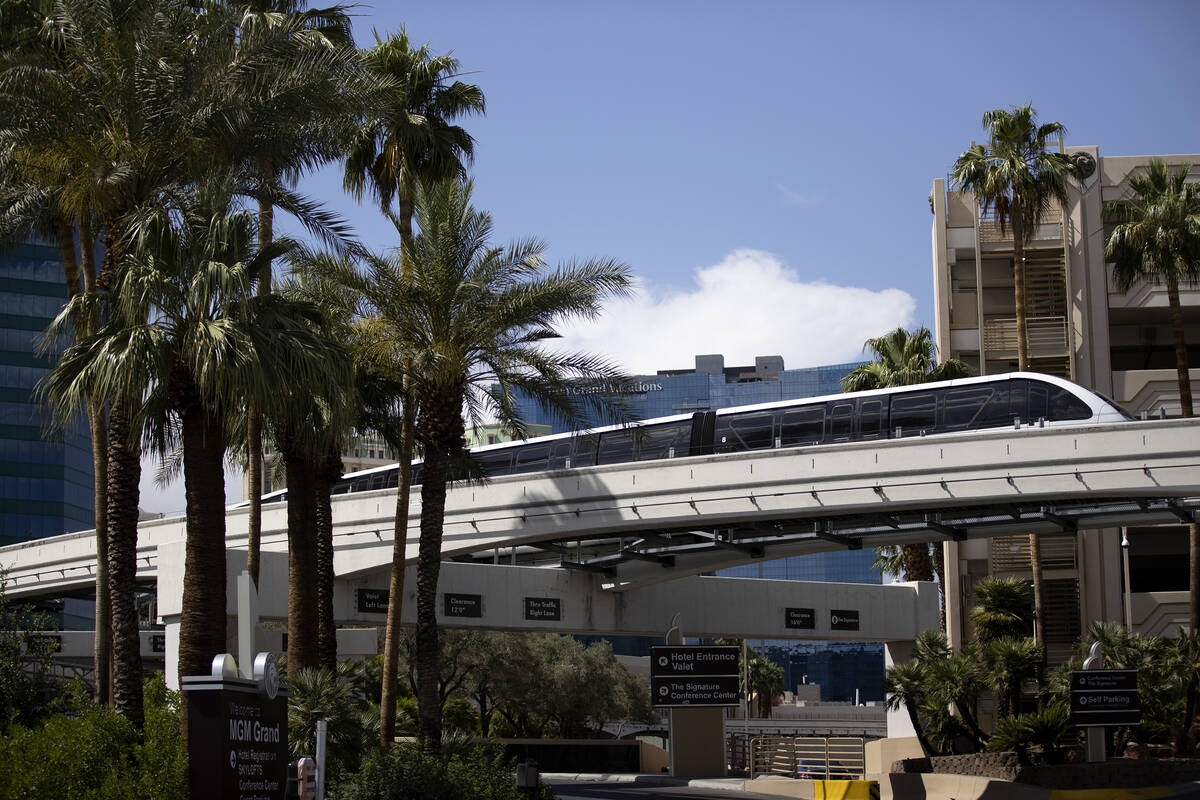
{"type": "Point", "coordinates": [990, 229]}
{"type": "Point", "coordinates": [1042, 333]}
{"type": "Point", "coordinates": [811, 757]}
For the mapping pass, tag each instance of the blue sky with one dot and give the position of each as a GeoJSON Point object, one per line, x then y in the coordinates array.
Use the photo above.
{"type": "Point", "coordinates": [670, 135]}
{"type": "Point", "coordinates": [764, 167]}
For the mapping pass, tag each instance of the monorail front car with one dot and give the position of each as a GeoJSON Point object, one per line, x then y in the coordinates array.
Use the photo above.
{"type": "Point", "coordinates": [946, 407]}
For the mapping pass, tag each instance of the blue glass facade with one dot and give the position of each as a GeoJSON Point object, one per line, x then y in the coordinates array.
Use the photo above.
{"type": "Point", "coordinates": [840, 668]}
{"type": "Point", "coordinates": [45, 480]}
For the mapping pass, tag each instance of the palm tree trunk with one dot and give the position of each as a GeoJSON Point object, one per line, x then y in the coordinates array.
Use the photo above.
{"type": "Point", "coordinates": [429, 562]}
{"type": "Point", "coordinates": [1181, 352]}
{"type": "Point", "coordinates": [254, 445]}
{"type": "Point", "coordinates": [102, 651]}
{"type": "Point", "coordinates": [328, 473]}
{"type": "Point", "coordinates": [915, 558]}
{"type": "Point", "coordinates": [302, 571]}
{"type": "Point", "coordinates": [97, 426]}
{"type": "Point", "coordinates": [1018, 229]}
{"type": "Point", "coordinates": [202, 634]}
{"type": "Point", "coordinates": [124, 473]}
{"type": "Point", "coordinates": [391, 643]}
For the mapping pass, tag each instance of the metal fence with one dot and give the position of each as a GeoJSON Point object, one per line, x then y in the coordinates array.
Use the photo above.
{"type": "Point", "coordinates": [812, 757]}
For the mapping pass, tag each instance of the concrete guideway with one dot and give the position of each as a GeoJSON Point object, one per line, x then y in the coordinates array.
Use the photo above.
{"type": "Point", "coordinates": [635, 524]}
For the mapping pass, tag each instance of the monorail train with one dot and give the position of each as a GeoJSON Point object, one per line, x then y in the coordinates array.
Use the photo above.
{"type": "Point", "coordinates": [945, 407]}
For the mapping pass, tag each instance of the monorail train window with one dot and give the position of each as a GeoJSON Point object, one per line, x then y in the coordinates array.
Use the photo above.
{"type": "Point", "coordinates": [418, 471]}
{"type": "Point", "coordinates": [378, 480]}
{"type": "Point", "coordinates": [583, 449]}
{"type": "Point", "coordinates": [738, 432]}
{"type": "Point", "coordinates": [1064, 405]}
{"type": "Point", "coordinates": [1037, 402]}
{"type": "Point", "coordinates": [560, 451]}
{"type": "Point", "coordinates": [616, 447]}
{"type": "Point", "coordinates": [841, 421]}
{"type": "Point", "coordinates": [872, 420]}
{"type": "Point", "coordinates": [532, 457]}
{"type": "Point", "coordinates": [802, 426]}
{"type": "Point", "coordinates": [656, 441]}
{"type": "Point", "coordinates": [964, 405]}
{"type": "Point", "coordinates": [914, 413]}
{"type": "Point", "coordinates": [496, 463]}
{"type": "Point", "coordinates": [393, 477]}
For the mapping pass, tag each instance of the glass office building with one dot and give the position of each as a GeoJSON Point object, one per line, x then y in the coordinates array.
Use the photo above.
{"type": "Point", "coordinates": [844, 670]}
{"type": "Point", "coordinates": [45, 478]}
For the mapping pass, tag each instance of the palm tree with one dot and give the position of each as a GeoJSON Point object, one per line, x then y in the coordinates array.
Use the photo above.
{"type": "Point", "coordinates": [1003, 609]}
{"type": "Point", "coordinates": [408, 137]}
{"type": "Point", "coordinates": [904, 685]}
{"type": "Point", "coordinates": [1157, 239]}
{"type": "Point", "coordinates": [316, 66]}
{"type": "Point", "coordinates": [1016, 176]}
{"type": "Point", "coordinates": [187, 340]}
{"type": "Point", "coordinates": [904, 358]}
{"type": "Point", "coordinates": [149, 94]}
{"type": "Point", "coordinates": [477, 316]}
{"type": "Point", "coordinates": [1010, 662]}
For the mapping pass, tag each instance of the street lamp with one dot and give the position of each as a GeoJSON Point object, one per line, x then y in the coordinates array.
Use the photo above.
{"type": "Point", "coordinates": [1128, 589]}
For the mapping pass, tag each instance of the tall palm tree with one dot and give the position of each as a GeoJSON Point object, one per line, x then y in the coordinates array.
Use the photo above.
{"type": "Point", "coordinates": [477, 316]}
{"type": "Point", "coordinates": [188, 340]}
{"type": "Point", "coordinates": [1016, 176]}
{"type": "Point", "coordinates": [904, 358]}
{"type": "Point", "coordinates": [1157, 239]}
{"type": "Point", "coordinates": [408, 137]}
{"type": "Point", "coordinates": [38, 196]}
{"type": "Point", "coordinates": [321, 90]}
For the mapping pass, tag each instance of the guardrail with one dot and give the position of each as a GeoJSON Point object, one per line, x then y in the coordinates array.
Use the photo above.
{"type": "Point", "coordinates": [810, 757]}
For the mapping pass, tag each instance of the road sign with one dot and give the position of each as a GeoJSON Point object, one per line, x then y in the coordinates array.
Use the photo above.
{"type": "Point", "coordinates": [694, 675]}
{"type": "Point", "coordinates": [1104, 697]}
{"type": "Point", "coordinates": [693, 660]}
{"type": "Point", "coordinates": [704, 690]}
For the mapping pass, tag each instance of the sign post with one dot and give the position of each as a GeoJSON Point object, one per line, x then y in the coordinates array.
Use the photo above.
{"type": "Point", "coordinates": [237, 731]}
{"type": "Point", "coordinates": [694, 676]}
{"type": "Point", "coordinates": [1102, 697]}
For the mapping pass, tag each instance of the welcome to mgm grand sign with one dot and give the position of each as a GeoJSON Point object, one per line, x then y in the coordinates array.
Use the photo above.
{"type": "Point", "coordinates": [237, 731]}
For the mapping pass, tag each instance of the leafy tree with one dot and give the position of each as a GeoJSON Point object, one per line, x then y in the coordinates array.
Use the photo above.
{"type": "Point", "coordinates": [477, 316]}
{"type": "Point", "coordinates": [1010, 663]}
{"type": "Point", "coordinates": [904, 358]}
{"type": "Point", "coordinates": [317, 68]}
{"type": "Point", "coordinates": [1015, 176]}
{"type": "Point", "coordinates": [26, 685]}
{"type": "Point", "coordinates": [1003, 608]}
{"type": "Point", "coordinates": [408, 136]}
{"type": "Point", "coordinates": [332, 695]}
{"type": "Point", "coordinates": [1157, 239]}
{"type": "Point", "coordinates": [186, 334]}
{"type": "Point", "coordinates": [766, 681]}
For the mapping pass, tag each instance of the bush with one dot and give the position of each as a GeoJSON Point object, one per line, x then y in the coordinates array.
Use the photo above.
{"type": "Point", "coordinates": [97, 756]}
{"type": "Point", "coordinates": [403, 773]}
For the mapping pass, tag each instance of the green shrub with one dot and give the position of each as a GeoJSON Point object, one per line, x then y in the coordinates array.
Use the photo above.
{"type": "Point", "coordinates": [97, 755]}
{"type": "Point", "coordinates": [403, 773]}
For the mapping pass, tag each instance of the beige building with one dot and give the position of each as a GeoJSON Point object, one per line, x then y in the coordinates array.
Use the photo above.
{"type": "Point", "coordinates": [1081, 328]}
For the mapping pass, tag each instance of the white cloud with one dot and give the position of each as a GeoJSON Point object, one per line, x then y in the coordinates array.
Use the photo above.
{"type": "Point", "coordinates": [747, 305]}
{"type": "Point", "coordinates": [793, 197]}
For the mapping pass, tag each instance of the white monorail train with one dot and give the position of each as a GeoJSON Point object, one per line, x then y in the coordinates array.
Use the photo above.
{"type": "Point", "coordinates": [927, 409]}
